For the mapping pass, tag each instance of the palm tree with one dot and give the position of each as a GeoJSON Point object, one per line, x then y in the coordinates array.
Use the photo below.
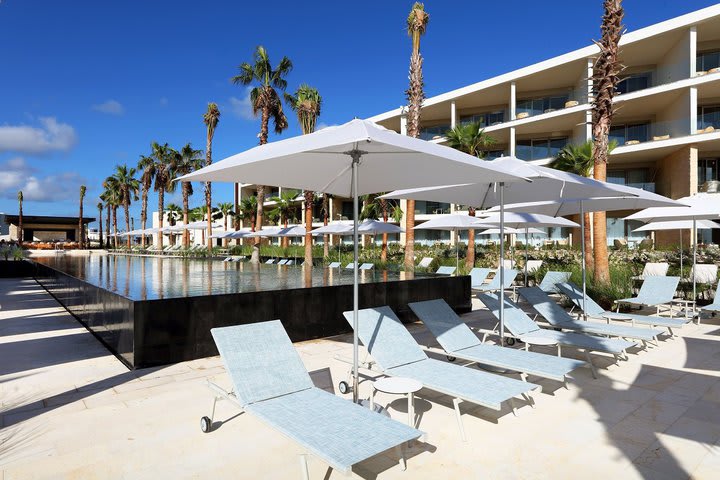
{"type": "Point", "coordinates": [173, 213]}
{"type": "Point", "coordinates": [606, 73]}
{"type": "Point", "coordinates": [266, 100]}
{"type": "Point", "coordinates": [248, 210]}
{"type": "Point", "coordinates": [326, 215]}
{"type": "Point", "coordinates": [284, 210]}
{"type": "Point", "coordinates": [578, 159]}
{"type": "Point", "coordinates": [128, 187]}
{"type": "Point", "coordinates": [112, 195]}
{"type": "Point", "coordinates": [146, 165]}
{"type": "Point", "coordinates": [200, 213]}
{"type": "Point", "coordinates": [164, 176]}
{"type": "Point", "coordinates": [211, 119]}
{"type": "Point", "coordinates": [226, 208]}
{"type": "Point", "coordinates": [306, 104]}
{"type": "Point", "coordinates": [20, 217]}
{"type": "Point", "coordinates": [375, 207]}
{"type": "Point", "coordinates": [81, 229]}
{"type": "Point", "coordinates": [471, 139]}
{"type": "Point", "coordinates": [100, 227]}
{"type": "Point", "coordinates": [105, 198]}
{"type": "Point", "coordinates": [186, 161]}
{"type": "Point", "coordinates": [417, 22]}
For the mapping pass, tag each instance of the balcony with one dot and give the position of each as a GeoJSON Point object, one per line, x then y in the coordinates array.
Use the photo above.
{"type": "Point", "coordinates": [434, 132]}
{"type": "Point", "coordinates": [431, 208]}
{"type": "Point", "coordinates": [708, 119]}
{"type": "Point", "coordinates": [530, 107]}
{"type": "Point", "coordinates": [540, 148]}
{"type": "Point", "coordinates": [486, 119]}
{"type": "Point", "coordinates": [708, 62]}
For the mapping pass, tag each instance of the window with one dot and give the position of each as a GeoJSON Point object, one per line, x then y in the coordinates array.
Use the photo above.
{"type": "Point", "coordinates": [709, 116]}
{"type": "Point", "coordinates": [493, 154]}
{"type": "Point", "coordinates": [431, 133]}
{"type": "Point", "coordinates": [346, 211]}
{"type": "Point", "coordinates": [485, 119]}
{"type": "Point", "coordinates": [622, 134]}
{"type": "Point", "coordinates": [708, 170]}
{"type": "Point", "coordinates": [634, 177]}
{"type": "Point", "coordinates": [540, 148]}
{"type": "Point", "coordinates": [536, 106]}
{"type": "Point", "coordinates": [428, 208]}
{"type": "Point", "coordinates": [620, 229]}
{"type": "Point", "coordinates": [635, 82]}
{"type": "Point", "coordinates": [708, 61]}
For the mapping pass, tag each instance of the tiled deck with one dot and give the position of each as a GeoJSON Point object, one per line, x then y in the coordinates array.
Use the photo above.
{"type": "Point", "coordinates": [71, 410]}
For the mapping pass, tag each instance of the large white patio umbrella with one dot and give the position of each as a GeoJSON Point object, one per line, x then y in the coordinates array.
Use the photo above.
{"type": "Point", "coordinates": [547, 185]}
{"type": "Point", "coordinates": [526, 221]}
{"type": "Point", "coordinates": [357, 158]}
{"type": "Point", "coordinates": [452, 223]}
{"type": "Point", "coordinates": [679, 225]}
{"type": "Point", "coordinates": [581, 204]}
{"type": "Point", "coordinates": [703, 206]}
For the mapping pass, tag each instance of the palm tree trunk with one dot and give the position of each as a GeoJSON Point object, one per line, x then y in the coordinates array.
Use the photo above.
{"type": "Point", "coordinates": [255, 257]}
{"type": "Point", "coordinates": [186, 215]}
{"type": "Point", "coordinates": [114, 220]}
{"type": "Point", "coordinates": [80, 226]}
{"type": "Point", "coordinates": [208, 192]}
{"type": "Point", "coordinates": [20, 223]}
{"type": "Point", "coordinates": [143, 214]}
{"type": "Point", "coordinates": [161, 215]}
{"type": "Point", "coordinates": [326, 238]}
{"type": "Point", "coordinates": [100, 226]}
{"type": "Point", "coordinates": [587, 242]}
{"type": "Point", "coordinates": [309, 198]}
{"type": "Point", "coordinates": [107, 227]}
{"type": "Point", "coordinates": [126, 207]}
{"type": "Point", "coordinates": [470, 257]}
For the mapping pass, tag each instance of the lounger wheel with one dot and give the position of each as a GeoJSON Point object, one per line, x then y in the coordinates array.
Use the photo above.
{"type": "Point", "coordinates": [343, 387]}
{"type": "Point", "coordinates": [450, 358]}
{"type": "Point", "coordinates": [510, 341]}
{"type": "Point", "coordinates": [205, 424]}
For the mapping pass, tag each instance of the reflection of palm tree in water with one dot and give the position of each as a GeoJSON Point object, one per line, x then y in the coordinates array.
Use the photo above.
{"type": "Point", "coordinates": [127, 276]}
{"type": "Point", "coordinates": [185, 275]}
{"type": "Point", "coordinates": [160, 282]}
{"type": "Point", "coordinates": [307, 272]}
{"type": "Point", "coordinates": [210, 276]}
{"type": "Point", "coordinates": [114, 269]}
{"type": "Point", "coordinates": [143, 281]}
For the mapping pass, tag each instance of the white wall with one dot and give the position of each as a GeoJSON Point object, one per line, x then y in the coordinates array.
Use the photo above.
{"type": "Point", "coordinates": [676, 62]}
{"type": "Point", "coordinates": [676, 118]}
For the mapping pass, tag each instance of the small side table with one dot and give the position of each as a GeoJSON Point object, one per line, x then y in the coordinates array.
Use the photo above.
{"type": "Point", "coordinates": [398, 386]}
{"type": "Point", "coordinates": [538, 340]}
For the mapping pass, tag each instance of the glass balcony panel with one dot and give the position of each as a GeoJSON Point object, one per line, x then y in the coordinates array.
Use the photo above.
{"type": "Point", "coordinates": [434, 132]}
{"type": "Point", "coordinates": [557, 144]}
{"type": "Point", "coordinates": [708, 61]}
{"type": "Point", "coordinates": [635, 82]}
{"type": "Point", "coordinates": [709, 117]}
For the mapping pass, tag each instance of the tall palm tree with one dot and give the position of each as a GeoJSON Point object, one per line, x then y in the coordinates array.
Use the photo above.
{"type": "Point", "coordinates": [185, 161]}
{"type": "Point", "coordinates": [112, 195]}
{"type": "Point", "coordinates": [201, 213]}
{"type": "Point", "coordinates": [105, 198]}
{"type": "Point", "coordinates": [306, 103]}
{"type": "Point", "coordinates": [417, 22]}
{"type": "Point", "coordinates": [211, 119]}
{"type": "Point", "coordinates": [20, 217]}
{"type": "Point", "coordinates": [226, 208]}
{"type": "Point", "coordinates": [285, 209]}
{"type": "Point", "coordinates": [471, 139]}
{"type": "Point", "coordinates": [100, 227]}
{"type": "Point", "coordinates": [128, 187]}
{"type": "Point", "coordinates": [173, 213]}
{"type": "Point", "coordinates": [81, 229]}
{"type": "Point", "coordinates": [265, 100]}
{"type": "Point", "coordinates": [606, 73]}
{"type": "Point", "coordinates": [248, 210]}
{"type": "Point", "coordinates": [326, 215]}
{"type": "Point", "coordinates": [146, 165]}
{"type": "Point", "coordinates": [164, 176]}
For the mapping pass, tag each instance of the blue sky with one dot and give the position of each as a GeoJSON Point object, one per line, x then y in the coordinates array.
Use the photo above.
{"type": "Point", "coordinates": [86, 85]}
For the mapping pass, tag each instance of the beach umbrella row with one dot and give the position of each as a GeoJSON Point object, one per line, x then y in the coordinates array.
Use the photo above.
{"type": "Point", "coordinates": [678, 225]}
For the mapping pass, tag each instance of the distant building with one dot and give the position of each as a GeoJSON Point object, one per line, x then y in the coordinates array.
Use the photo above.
{"type": "Point", "coordinates": [44, 228]}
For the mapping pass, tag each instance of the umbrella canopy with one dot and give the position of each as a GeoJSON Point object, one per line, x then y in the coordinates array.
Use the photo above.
{"type": "Point", "coordinates": [451, 223]}
{"type": "Point", "coordinates": [222, 234]}
{"type": "Point", "coordinates": [496, 231]}
{"type": "Point", "coordinates": [677, 225]}
{"type": "Point", "coordinates": [292, 231]}
{"type": "Point", "coordinates": [357, 158]}
{"type": "Point", "coordinates": [376, 227]}
{"type": "Point", "coordinates": [335, 228]}
{"type": "Point", "coordinates": [238, 233]}
{"type": "Point", "coordinates": [526, 220]}
{"type": "Point", "coordinates": [269, 232]}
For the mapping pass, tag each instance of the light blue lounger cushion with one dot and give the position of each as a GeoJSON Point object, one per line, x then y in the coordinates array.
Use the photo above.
{"type": "Point", "coordinates": [494, 284]}
{"type": "Point", "coordinates": [654, 291]}
{"type": "Point", "coordinates": [518, 324]}
{"type": "Point", "coordinates": [445, 271]}
{"type": "Point", "coordinates": [558, 317]}
{"type": "Point", "coordinates": [389, 343]}
{"type": "Point", "coordinates": [715, 306]}
{"type": "Point", "coordinates": [592, 309]}
{"type": "Point", "coordinates": [457, 339]}
{"type": "Point", "coordinates": [265, 367]}
{"type": "Point", "coordinates": [551, 279]}
{"type": "Point", "coordinates": [478, 276]}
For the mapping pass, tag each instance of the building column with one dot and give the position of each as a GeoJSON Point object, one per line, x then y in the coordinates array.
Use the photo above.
{"type": "Point", "coordinates": [453, 115]}
{"type": "Point", "coordinates": [511, 143]}
{"type": "Point", "coordinates": [513, 101]}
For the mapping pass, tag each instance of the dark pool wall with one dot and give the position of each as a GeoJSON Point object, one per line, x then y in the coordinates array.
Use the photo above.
{"type": "Point", "coordinates": [159, 332]}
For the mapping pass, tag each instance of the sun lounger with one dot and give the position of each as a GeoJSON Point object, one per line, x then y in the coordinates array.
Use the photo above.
{"type": "Point", "coordinates": [534, 265]}
{"type": "Point", "coordinates": [714, 307]}
{"type": "Point", "coordinates": [284, 261]}
{"type": "Point", "coordinates": [396, 353]}
{"type": "Point", "coordinates": [367, 266]}
{"type": "Point", "coordinates": [592, 309]}
{"type": "Point", "coordinates": [425, 262]}
{"type": "Point", "coordinates": [350, 266]}
{"type": "Point", "coordinates": [457, 340]}
{"type": "Point", "coordinates": [270, 382]}
{"type": "Point", "coordinates": [508, 264]}
{"type": "Point", "coordinates": [269, 261]}
{"type": "Point", "coordinates": [551, 279]}
{"type": "Point", "coordinates": [518, 324]}
{"type": "Point", "coordinates": [651, 269]}
{"type": "Point", "coordinates": [478, 276]}
{"type": "Point", "coordinates": [445, 271]}
{"type": "Point", "coordinates": [494, 284]}
{"type": "Point", "coordinates": [654, 292]}
{"type": "Point", "coordinates": [558, 317]}
{"type": "Point", "coordinates": [704, 273]}
{"type": "Point", "coordinates": [335, 265]}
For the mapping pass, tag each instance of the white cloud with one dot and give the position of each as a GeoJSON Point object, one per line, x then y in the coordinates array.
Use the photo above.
{"type": "Point", "coordinates": [51, 135]}
{"type": "Point", "coordinates": [242, 107]}
{"type": "Point", "coordinates": [111, 107]}
{"type": "Point", "coordinates": [19, 175]}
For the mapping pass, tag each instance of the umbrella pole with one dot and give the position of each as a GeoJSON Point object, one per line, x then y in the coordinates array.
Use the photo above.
{"type": "Point", "coordinates": [457, 257]}
{"type": "Point", "coordinates": [681, 255]}
{"type": "Point", "coordinates": [502, 261]}
{"type": "Point", "coordinates": [694, 240]}
{"type": "Point", "coordinates": [355, 154]}
{"type": "Point", "coordinates": [582, 247]}
{"type": "Point", "coordinates": [526, 255]}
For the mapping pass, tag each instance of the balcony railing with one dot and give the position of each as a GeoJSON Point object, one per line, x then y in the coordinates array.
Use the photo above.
{"type": "Point", "coordinates": [434, 132]}
{"type": "Point", "coordinates": [708, 121]}
{"type": "Point", "coordinates": [530, 107]}
{"type": "Point", "coordinates": [708, 63]}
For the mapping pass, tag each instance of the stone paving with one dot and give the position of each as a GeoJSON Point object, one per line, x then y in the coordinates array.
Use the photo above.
{"type": "Point", "coordinates": [69, 409]}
